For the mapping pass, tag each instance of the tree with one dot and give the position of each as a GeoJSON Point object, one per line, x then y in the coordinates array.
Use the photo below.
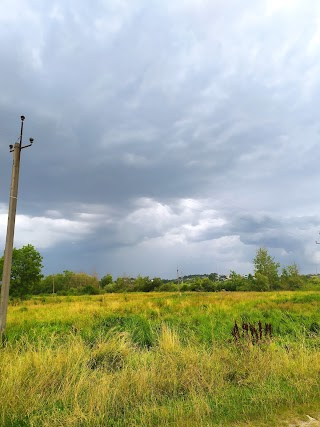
{"type": "Point", "coordinates": [261, 282]}
{"type": "Point", "coordinates": [196, 285]}
{"type": "Point", "coordinates": [207, 285]}
{"type": "Point", "coordinates": [290, 277]}
{"type": "Point", "coordinates": [122, 284]}
{"type": "Point", "coordinates": [235, 281]}
{"type": "Point", "coordinates": [265, 265]}
{"type": "Point", "coordinates": [69, 283]}
{"type": "Point", "coordinates": [168, 287]}
{"type": "Point", "coordinates": [157, 282]}
{"type": "Point", "coordinates": [214, 277]}
{"type": "Point", "coordinates": [80, 281]}
{"type": "Point", "coordinates": [143, 284]}
{"type": "Point", "coordinates": [59, 283]}
{"type": "Point", "coordinates": [25, 272]}
{"type": "Point", "coordinates": [106, 280]}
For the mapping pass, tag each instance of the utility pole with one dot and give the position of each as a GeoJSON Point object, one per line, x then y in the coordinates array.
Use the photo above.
{"type": "Point", "coordinates": [178, 281]}
{"type": "Point", "coordinates": [6, 274]}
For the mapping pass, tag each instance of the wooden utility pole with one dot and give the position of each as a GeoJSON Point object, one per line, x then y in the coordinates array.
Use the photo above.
{"type": "Point", "coordinates": [6, 274]}
{"type": "Point", "coordinates": [178, 281]}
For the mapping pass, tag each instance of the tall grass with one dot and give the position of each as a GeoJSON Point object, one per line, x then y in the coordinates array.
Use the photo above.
{"type": "Point", "coordinates": [150, 360]}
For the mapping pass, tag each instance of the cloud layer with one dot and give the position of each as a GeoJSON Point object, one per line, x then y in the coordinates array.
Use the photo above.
{"type": "Point", "coordinates": [167, 133]}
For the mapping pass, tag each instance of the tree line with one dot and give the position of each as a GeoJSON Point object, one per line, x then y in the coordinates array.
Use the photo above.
{"type": "Point", "coordinates": [27, 279]}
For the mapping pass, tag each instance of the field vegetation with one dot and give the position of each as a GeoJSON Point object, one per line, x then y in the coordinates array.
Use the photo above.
{"type": "Point", "coordinates": [27, 279]}
{"type": "Point", "coordinates": [161, 359]}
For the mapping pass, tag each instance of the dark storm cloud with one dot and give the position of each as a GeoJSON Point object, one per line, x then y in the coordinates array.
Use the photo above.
{"type": "Point", "coordinates": [183, 130]}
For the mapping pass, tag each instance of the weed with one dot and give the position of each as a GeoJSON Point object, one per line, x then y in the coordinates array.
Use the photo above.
{"type": "Point", "coordinates": [251, 333]}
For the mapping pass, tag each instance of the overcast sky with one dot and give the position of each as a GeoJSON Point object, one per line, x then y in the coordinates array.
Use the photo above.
{"type": "Point", "coordinates": [167, 133]}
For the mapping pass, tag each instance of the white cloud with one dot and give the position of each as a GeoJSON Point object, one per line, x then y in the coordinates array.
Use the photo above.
{"type": "Point", "coordinates": [48, 231]}
{"type": "Point", "coordinates": [184, 220]}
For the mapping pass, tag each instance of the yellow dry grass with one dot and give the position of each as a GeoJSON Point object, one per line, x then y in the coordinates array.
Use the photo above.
{"type": "Point", "coordinates": [107, 378]}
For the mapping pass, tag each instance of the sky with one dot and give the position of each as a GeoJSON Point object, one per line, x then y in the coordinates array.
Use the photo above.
{"type": "Point", "coordinates": [167, 134]}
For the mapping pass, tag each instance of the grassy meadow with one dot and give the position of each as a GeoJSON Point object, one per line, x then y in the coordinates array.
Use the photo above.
{"type": "Point", "coordinates": [160, 359]}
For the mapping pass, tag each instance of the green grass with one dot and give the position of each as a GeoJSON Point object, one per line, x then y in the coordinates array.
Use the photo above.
{"type": "Point", "coordinates": [159, 360]}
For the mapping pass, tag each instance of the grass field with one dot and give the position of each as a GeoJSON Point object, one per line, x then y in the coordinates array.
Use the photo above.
{"type": "Point", "coordinates": [160, 360]}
